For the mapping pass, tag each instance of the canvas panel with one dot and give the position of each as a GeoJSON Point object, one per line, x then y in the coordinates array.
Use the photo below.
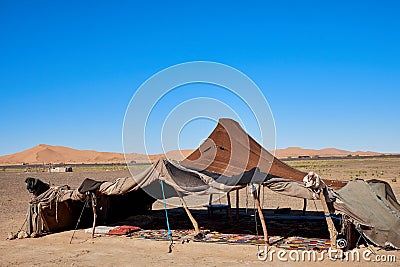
{"type": "Point", "coordinates": [380, 220]}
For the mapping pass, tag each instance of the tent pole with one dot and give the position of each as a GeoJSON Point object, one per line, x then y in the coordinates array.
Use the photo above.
{"type": "Point", "coordinates": [189, 214]}
{"type": "Point", "coordinates": [237, 204]}
{"type": "Point", "coordinates": [94, 213]}
{"type": "Point", "coordinates": [261, 215]}
{"type": "Point", "coordinates": [304, 206]}
{"type": "Point", "coordinates": [331, 226]}
{"type": "Point", "coordinates": [229, 208]}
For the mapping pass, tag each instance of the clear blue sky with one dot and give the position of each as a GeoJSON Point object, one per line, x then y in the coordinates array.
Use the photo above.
{"type": "Point", "coordinates": [330, 68]}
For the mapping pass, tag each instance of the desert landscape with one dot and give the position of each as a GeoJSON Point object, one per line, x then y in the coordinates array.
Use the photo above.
{"type": "Point", "coordinates": [45, 154]}
{"type": "Point", "coordinates": [108, 155]}
{"type": "Point", "coordinates": [110, 251]}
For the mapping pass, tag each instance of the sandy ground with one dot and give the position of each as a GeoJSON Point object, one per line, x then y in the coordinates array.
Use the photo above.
{"type": "Point", "coordinates": [122, 251]}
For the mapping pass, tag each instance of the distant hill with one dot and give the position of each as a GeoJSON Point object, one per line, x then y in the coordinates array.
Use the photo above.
{"type": "Point", "coordinates": [295, 152]}
{"type": "Point", "coordinates": [60, 154]}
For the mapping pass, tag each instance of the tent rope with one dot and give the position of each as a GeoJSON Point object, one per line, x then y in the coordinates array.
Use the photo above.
{"type": "Point", "coordinates": [171, 242]}
{"type": "Point", "coordinates": [86, 204]}
{"type": "Point", "coordinates": [360, 231]}
{"type": "Point", "coordinates": [26, 219]}
{"type": "Point", "coordinates": [332, 216]}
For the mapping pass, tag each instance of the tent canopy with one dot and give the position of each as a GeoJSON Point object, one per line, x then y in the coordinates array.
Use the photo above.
{"type": "Point", "coordinates": [230, 151]}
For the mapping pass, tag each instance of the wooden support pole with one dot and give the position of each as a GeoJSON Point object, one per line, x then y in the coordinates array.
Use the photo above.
{"type": "Point", "coordinates": [331, 226]}
{"type": "Point", "coordinates": [94, 213]}
{"type": "Point", "coordinates": [189, 214]}
{"type": "Point", "coordinates": [261, 215]}
{"type": "Point", "coordinates": [304, 206]}
{"type": "Point", "coordinates": [39, 219]}
{"type": "Point", "coordinates": [237, 204]}
{"type": "Point", "coordinates": [228, 196]}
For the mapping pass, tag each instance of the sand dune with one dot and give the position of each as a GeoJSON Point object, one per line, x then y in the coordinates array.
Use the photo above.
{"type": "Point", "coordinates": [59, 154]}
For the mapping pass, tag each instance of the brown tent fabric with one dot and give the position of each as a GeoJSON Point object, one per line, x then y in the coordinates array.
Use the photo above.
{"type": "Point", "coordinates": [189, 181]}
{"type": "Point", "coordinates": [53, 210]}
{"type": "Point", "coordinates": [59, 208]}
{"type": "Point", "coordinates": [372, 206]}
{"type": "Point", "coordinates": [384, 191]}
{"type": "Point", "coordinates": [230, 151]}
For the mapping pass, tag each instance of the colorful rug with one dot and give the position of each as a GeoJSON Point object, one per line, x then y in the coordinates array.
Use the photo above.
{"type": "Point", "coordinates": [163, 234]}
{"type": "Point", "coordinates": [302, 243]}
{"type": "Point", "coordinates": [124, 230]}
{"type": "Point", "coordinates": [289, 243]}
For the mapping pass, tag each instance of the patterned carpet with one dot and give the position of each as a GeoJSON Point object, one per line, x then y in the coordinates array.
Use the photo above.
{"type": "Point", "coordinates": [289, 232]}
{"type": "Point", "coordinates": [290, 243]}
